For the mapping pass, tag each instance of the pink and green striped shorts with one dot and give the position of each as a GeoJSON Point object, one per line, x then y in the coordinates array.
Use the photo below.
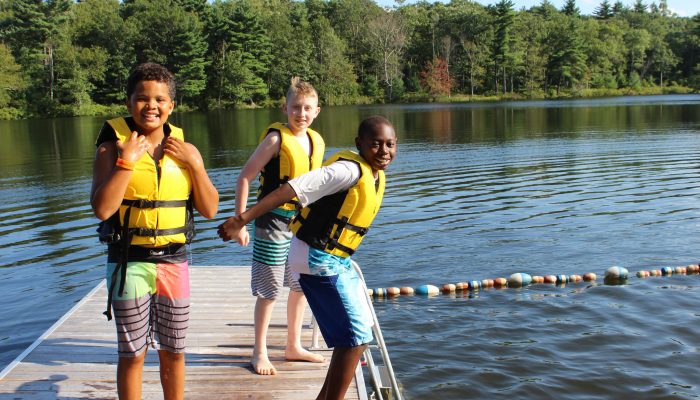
{"type": "Point", "coordinates": [154, 309]}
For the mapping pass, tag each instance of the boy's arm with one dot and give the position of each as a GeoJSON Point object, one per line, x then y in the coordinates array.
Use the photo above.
{"type": "Point", "coordinates": [266, 150]}
{"type": "Point", "coordinates": [109, 182]}
{"type": "Point", "coordinates": [206, 197]}
{"type": "Point", "coordinates": [232, 226]}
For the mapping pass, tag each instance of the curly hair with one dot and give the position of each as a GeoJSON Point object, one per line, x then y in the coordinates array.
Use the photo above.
{"type": "Point", "coordinates": [150, 72]}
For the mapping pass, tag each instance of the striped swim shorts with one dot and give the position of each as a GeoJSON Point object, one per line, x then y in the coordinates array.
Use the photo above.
{"type": "Point", "coordinates": [154, 308]}
{"type": "Point", "coordinates": [269, 272]}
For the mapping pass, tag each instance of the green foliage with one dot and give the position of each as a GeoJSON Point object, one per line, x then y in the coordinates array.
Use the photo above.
{"type": "Point", "coordinates": [60, 57]}
{"type": "Point", "coordinates": [178, 42]}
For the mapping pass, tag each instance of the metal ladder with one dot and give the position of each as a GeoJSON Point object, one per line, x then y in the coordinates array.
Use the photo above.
{"type": "Point", "coordinates": [382, 376]}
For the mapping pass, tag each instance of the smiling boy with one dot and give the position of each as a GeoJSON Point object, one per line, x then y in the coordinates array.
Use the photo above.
{"type": "Point", "coordinates": [340, 201]}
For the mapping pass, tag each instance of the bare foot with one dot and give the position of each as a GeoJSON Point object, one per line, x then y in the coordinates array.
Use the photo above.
{"type": "Point", "coordinates": [301, 354]}
{"type": "Point", "coordinates": [262, 365]}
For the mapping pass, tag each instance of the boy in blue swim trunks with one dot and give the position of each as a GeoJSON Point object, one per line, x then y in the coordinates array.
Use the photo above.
{"type": "Point", "coordinates": [340, 201]}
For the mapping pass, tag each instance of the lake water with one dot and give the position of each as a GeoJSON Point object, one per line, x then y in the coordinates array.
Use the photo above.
{"type": "Point", "coordinates": [477, 191]}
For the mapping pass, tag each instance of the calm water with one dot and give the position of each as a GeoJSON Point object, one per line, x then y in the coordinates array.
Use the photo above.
{"type": "Point", "coordinates": [477, 191]}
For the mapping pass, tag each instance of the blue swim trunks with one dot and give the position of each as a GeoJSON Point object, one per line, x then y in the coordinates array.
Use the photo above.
{"type": "Point", "coordinates": [339, 305]}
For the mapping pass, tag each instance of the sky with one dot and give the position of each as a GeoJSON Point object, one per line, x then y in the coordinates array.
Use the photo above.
{"type": "Point", "coordinates": [683, 8]}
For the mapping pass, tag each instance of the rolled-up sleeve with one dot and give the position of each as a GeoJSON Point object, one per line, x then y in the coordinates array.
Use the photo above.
{"type": "Point", "coordinates": [324, 181]}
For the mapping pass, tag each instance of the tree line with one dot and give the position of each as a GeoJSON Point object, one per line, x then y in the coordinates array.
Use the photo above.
{"type": "Point", "coordinates": [60, 57]}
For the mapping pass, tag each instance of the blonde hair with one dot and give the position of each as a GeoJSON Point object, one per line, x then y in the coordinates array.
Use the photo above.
{"type": "Point", "coordinates": [298, 87]}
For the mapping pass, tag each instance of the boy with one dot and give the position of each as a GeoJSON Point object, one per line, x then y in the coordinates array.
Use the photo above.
{"type": "Point", "coordinates": [146, 179]}
{"type": "Point", "coordinates": [284, 152]}
{"type": "Point", "coordinates": [340, 201]}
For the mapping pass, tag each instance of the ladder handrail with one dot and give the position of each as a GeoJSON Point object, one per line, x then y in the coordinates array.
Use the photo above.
{"type": "Point", "coordinates": [368, 354]}
{"type": "Point", "coordinates": [379, 338]}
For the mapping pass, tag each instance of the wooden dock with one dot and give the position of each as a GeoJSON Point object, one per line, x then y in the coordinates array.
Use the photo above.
{"type": "Point", "coordinates": [76, 358]}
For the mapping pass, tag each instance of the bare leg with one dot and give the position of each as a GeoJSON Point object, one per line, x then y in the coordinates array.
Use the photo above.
{"type": "Point", "coordinates": [340, 372]}
{"type": "Point", "coordinates": [263, 312]}
{"type": "Point", "coordinates": [130, 377]}
{"type": "Point", "coordinates": [295, 318]}
{"type": "Point", "coordinates": [172, 374]}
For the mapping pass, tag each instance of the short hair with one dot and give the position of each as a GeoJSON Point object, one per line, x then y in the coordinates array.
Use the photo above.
{"type": "Point", "coordinates": [298, 87]}
{"type": "Point", "coordinates": [150, 72]}
{"type": "Point", "coordinates": [369, 125]}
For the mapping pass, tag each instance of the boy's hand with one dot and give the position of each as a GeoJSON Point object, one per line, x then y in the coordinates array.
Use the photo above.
{"type": "Point", "coordinates": [181, 151]}
{"type": "Point", "coordinates": [231, 229]}
{"type": "Point", "coordinates": [134, 148]}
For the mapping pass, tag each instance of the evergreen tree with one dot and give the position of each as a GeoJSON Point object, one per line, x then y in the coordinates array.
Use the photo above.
{"type": "Point", "coordinates": [503, 20]}
{"type": "Point", "coordinates": [178, 43]}
{"type": "Point", "coordinates": [567, 60]}
{"type": "Point", "coordinates": [286, 24]}
{"type": "Point", "coordinates": [240, 50]}
{"type": "Point", "coordinates": [11, 84]}
{"type": "Point", "coordinates": [603, 11]}
{"type": "Point", "coordinates": [99, 27]}
{"type": "Point", "coordinates": [639, 7]}
{"type": "Point", "coordinates": [618, 8]}
{"type": "Point", "coordinates": [333, 72]}
{"type": "Point", "coordinates": [571, 9]}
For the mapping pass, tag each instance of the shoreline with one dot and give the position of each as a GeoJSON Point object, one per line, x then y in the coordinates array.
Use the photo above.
{"type": "Point", "coordinates": [100, 110]}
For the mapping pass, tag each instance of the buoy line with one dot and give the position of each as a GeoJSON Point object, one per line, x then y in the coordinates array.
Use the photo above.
{"type": "Point", "coordinates": [613, 275]}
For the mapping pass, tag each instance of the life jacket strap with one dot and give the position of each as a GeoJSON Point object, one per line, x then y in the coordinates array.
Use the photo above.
{"type": "Point", "coordinates": [154, 203]}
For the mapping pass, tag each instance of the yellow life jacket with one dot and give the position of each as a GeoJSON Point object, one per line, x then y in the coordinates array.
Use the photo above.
{"type": "Point", "coordinates": [337, 223]}
{"type": "Point", "coordinates": [291, 162]}
{"type": "Point", "coordinates": [156, 199]}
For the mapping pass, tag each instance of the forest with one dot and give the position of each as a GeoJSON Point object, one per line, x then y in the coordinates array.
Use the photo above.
{"type": "Point", "coordinates": [67, 58]}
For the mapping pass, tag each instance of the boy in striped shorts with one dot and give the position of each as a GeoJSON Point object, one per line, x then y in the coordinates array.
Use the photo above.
{"type": "Point", "coordinates": [285, 151]}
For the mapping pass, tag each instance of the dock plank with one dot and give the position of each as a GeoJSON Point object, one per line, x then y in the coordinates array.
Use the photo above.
{"type": "Point", "coordinates": [76, 359]}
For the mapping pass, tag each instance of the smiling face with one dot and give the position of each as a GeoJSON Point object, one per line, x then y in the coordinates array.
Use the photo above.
{"type": "Point", "coordinates": [377, 145]}
{"type": "Point", "coordinates": [301, 111]}
{"type": "Point", "coordinates": [150, 105]}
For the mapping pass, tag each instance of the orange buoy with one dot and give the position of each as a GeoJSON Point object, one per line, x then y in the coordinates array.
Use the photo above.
{"type": "Point", "coordinates": [487, 283]}
{"type": "Point", "coordinates": [448, 288]}
{"type": "Point", "coordinates": [681, 270]}
{"type": "Point", "coordinates": [589, 276]}
{"type": "Point", "coordinates": [406, 290]}
{"type": "Point", "coordinates": [500, 282]}
{"type": "Point", "coordinates": [461, 285]}
{"type": "Point", "coordinates": [550, 279]}
{"type": "Point", "coordinates": [537, 279]}
{"type": "Point", "coordinates": [393, 291]}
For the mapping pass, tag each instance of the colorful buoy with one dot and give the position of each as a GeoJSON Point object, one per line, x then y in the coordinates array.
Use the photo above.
{"type": "Point", "coordinates": [380, 292]}
{"type": "Point", "coordinates": [681, 270]}
{"type": "Point", "coordinates": [589, 276]}
{"type": "Point", "coordinates": [500, 282]}
{"type": "Point", "coordinates": [519, 279]}
{"type": "Point", "coordinates": [537, 279]}
{"type": "Point", "coordinates": [655, 272]}
{"type": "Point", "coordinates": [462, 285]}
{"type": "Point", "coordinates": [666, 271]}
{"type": "Point", "coordinates": [370, 292]}
{"type": "Point", "coordinates": [616, 272]}
{"type": "Point", "coordinates": [448, 288]}
{"type": "Point", "coordinates": [427, 290]}
{"type": "Point", "coordinates": [561, 279]}
{"type": "Point", "coordinates": [643, 274]}
{"type": "Point", "coordinates": [406, 290]}
{"type": "Point", "coordinates": [474, 285]}
{"type": "Point", "coordinates": [393, 291]}
{"type": "Point", "coordinates": [550, 279]}
{"type": "Point", "coordinates": [575, 278]}
{"type": "Point", "coordinates": [693, 269]}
